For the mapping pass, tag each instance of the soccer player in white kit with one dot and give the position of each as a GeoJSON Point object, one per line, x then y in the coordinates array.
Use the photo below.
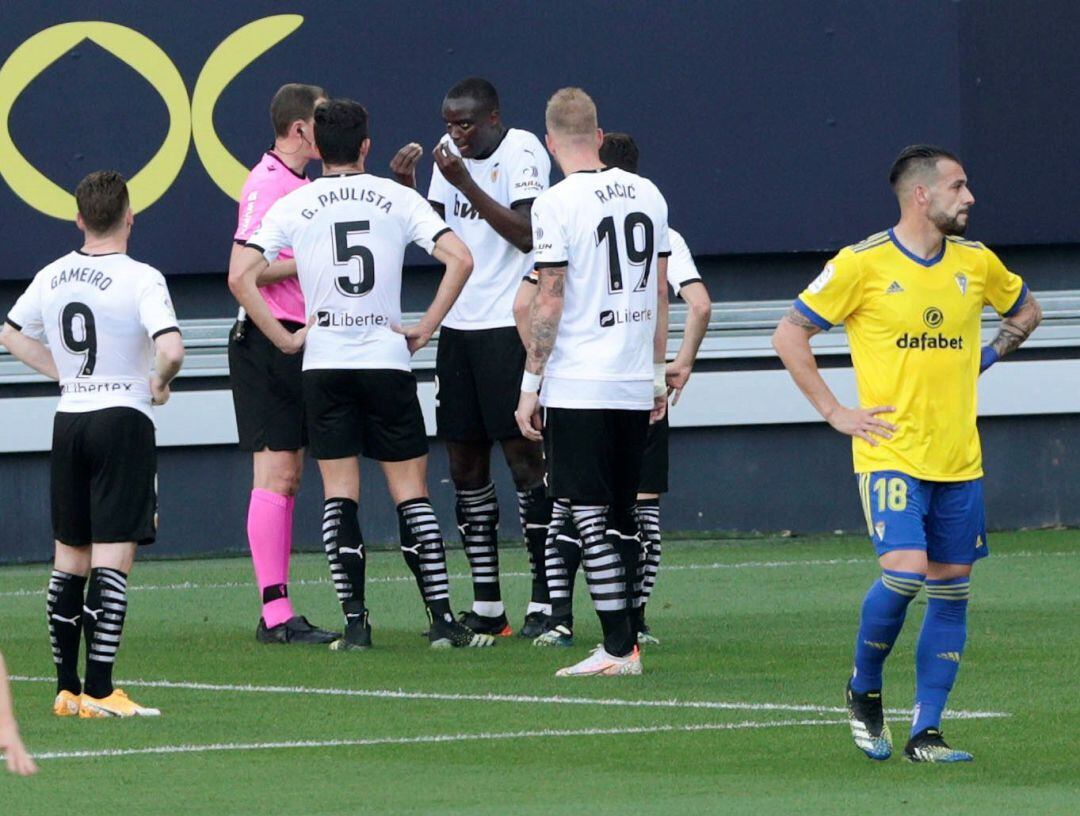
{"type": "Point", "coordinates": [597, 333]}
{"type": "Point", "coordinates": [114, 345]}
{"type": "Point", "coordinates": [485, 179]}
{"type": "Point", "coordinates": [619, 150]}
{"type": "Point", "coordinates": [348, 231]}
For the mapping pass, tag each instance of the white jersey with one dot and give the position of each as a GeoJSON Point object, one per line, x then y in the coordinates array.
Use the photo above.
{"type": "Point", "coordinates": [517, 171]}
{"type": "Point", "coordinates": [609, 228]}
{"type": "Point", "coordinates": [681, 268]}
{"type": "Point", "coordinates": [349, 233]}
{"type": "Point", "coordinates": [99, 315]}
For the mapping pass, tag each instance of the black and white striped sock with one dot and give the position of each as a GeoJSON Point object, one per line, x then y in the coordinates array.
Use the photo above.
{"type": "Point", "coordinates": [103, 623]}
{"type": "Point", "coordinates": [647, 514]}
{"type": "Point", "coordinates": [534, 510]}
{"type": "Point", "coordinates": [345, 553]}
{"type": "Point", "coordinates": [478, 523]}
{"type": "Point", "coordinates": [562, 557]}
{"type": "Point", "coordinates": [64, 612]}
{"type": "Point", "coordinates": [422, 547]}
{"type": "Point", "coordinates": [606, 576]}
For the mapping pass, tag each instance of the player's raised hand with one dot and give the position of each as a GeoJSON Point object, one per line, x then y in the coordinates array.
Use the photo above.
{"type": "Point", "coordinates": [451, 165]}
{"type": "Point", "coordinates": [863, 422]}
{"type": "Point", "coordinates": [416, 336]}
{"type": "Point", "coordinates": [528, 416]}
{"type": "Point", "coordinates": [159, 390]}
{"type": "Point", "coordinates": [403, 165]}
{"type": "Point", "coordinates": [676, 375]}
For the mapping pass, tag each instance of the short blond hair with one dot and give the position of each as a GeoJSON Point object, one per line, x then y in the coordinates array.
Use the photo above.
{"type": "Point", "coordinates": [571, 112]}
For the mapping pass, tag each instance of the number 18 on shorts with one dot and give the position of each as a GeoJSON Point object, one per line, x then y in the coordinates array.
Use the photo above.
{"type": "Point", "coordinates": [947, 520]}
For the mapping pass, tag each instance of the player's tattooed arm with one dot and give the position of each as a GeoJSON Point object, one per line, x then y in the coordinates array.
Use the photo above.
{"type": "Point", "coordinates": [1016, 329]}
{"type": "Point", "coordinates": [792, 343]}
{"type": "Point", "coordinates": [544, 317]}
{"type": "Point", "coordinates": [802, 321]}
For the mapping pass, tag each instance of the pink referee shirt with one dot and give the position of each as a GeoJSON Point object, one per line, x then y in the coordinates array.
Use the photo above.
{"type": "Point", "coordinates": [268, 181]}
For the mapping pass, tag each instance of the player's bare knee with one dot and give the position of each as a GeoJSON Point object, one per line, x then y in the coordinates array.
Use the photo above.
{"type": "Point", "coordinates": [278, 471]}
{"type": "Point", "coordinates": [113, 555]}
{"type": "Point", "coordinates": [526, 462]}
{"type": "Point", "coordinates": [470, 464]}
{"type": "Point", "coordinates": [905, 561]}
{"type": "Point", "coordinates": [285, 479]}
{"type": "Point", "coordinates": [72, 560]}
{"type": "Point", "coordinates": [936, 571]}
{"type": "Point", "coordinates": [405, 487]}
{"type": "Point", "coordinates": [407, 479]}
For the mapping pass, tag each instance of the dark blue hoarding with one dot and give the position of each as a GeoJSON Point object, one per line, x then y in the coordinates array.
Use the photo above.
{"type": "Point", "coordinates": [769, 125]}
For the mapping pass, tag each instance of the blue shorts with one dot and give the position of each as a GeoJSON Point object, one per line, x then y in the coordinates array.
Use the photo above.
{"type": "Point", "coordinates": [947, 520]}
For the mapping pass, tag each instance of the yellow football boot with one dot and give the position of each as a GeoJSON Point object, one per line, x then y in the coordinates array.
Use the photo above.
{"type": "Point", "coordinates": [117, 704]}
{"type": "Point", "coordinates": [66, 704]}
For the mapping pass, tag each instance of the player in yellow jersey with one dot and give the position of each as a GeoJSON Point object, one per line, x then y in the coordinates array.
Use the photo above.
{"type": "Point", "coordinates": [910, 299]}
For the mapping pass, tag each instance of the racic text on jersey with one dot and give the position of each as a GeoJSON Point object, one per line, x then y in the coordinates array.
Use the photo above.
{"type": "Point", "coordinates": [616, 190]}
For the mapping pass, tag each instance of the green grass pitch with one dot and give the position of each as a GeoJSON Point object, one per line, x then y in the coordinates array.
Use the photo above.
{"type": "Point", "coordinates": [757, 633]}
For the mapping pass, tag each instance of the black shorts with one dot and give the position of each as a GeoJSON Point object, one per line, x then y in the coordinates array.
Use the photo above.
{"type": "Point", "coordinates": [372, 412]}
{"type": "Point", "coordinates": [654, 468]}
{"type": "Point", "coordinates": [267, 389]}
{"type": "Point", "coordinates": [594, 455]}
{"type": "Point", "coordinates": [103, 477]}
{"type": "Point", "coordinates": [478, 383]}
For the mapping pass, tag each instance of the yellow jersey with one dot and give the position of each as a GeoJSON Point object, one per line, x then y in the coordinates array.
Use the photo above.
{"type": "Point", "coordinates": [914, 330]}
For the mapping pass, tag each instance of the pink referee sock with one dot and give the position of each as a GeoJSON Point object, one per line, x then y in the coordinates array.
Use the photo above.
{"type": "Point", "coordinates": [286, 549]}
{"type": "Point", "coordinates": [269, 529]}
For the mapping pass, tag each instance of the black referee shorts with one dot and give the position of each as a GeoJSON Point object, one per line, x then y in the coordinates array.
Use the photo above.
{"type": "Point", "coordinates": [654, 467]}
{"type": "Point", "coordinates": [103, 477]}
{"type": "Point", "coordinates": [373, 412]}
{"type": "Point", "coordinates": [267, 389]}
{"type": "Point", "coordinates": [594, 455]}
{"type": "Point", "coordinates": [478, 379]}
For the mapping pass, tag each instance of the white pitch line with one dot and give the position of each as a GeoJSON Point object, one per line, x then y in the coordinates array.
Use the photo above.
{"type": "Point", "coordinates": [428, 739]}
{"type": "Point", "coordinates": [191, 585]}
{"type": "Point", "coordinates": [393, 579]}
{"type": "Point", "coordinates": [401, 694]}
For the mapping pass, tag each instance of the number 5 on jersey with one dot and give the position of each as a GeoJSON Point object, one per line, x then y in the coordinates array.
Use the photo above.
{"type": "Point", "coordinates": [344, 253]}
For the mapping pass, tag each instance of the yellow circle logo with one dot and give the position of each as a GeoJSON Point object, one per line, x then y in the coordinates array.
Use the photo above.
{"type": "Point", "coordinates": [129, 46]}
{"type": "Point", "coordinates": [188, 120]}
{"type": "Point", "coordinates": [933, 317]}
{"type": "Point", "coordinates": [236, 52]}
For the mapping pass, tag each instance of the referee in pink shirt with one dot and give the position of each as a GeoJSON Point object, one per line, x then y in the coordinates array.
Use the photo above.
{"type": "Point", "coordinates": [266, 383]}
